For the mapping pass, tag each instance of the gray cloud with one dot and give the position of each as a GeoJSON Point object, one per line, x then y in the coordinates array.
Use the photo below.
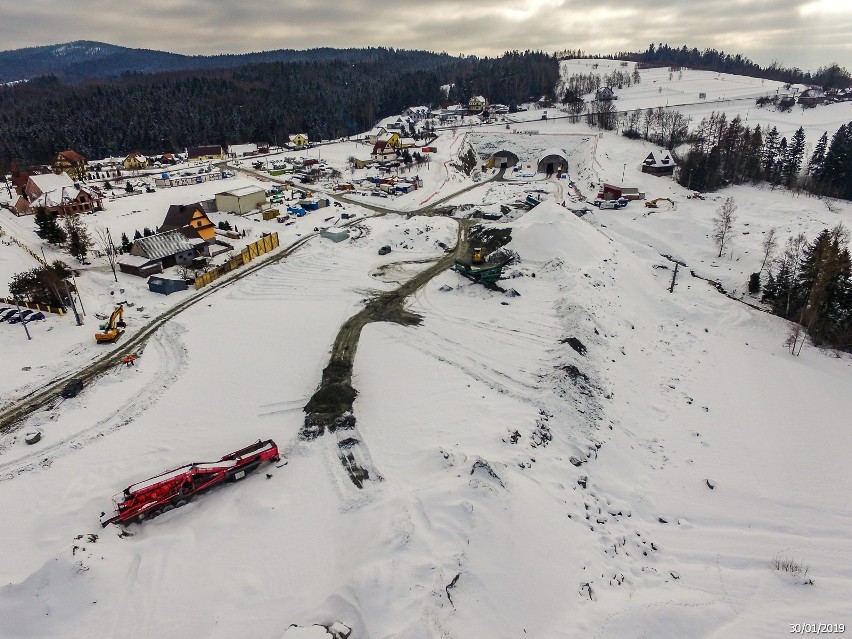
{"type": "Point", "coordinates": [764, 30]}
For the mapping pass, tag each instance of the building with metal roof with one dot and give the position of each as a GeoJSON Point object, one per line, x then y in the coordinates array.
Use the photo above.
{"type": "Point", "coordinates": [171, 248]}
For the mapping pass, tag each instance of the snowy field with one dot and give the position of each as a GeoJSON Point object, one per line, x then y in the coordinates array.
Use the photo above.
{"type": "Point", "coordinates": [542, 458]}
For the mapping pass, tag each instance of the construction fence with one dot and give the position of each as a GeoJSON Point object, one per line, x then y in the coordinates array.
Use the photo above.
{"type": "Point", "coordinates": [254, 250]}
{"type": "Point", "coordinates": [37, 307]}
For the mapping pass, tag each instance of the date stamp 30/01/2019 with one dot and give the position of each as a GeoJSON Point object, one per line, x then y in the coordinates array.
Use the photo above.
{"type": "Point", "coordinates": [817, 628]}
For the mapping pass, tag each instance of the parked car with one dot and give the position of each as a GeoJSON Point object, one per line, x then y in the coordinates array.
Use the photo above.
{"type": "Point", "coordinates": [38, 315]}
{"type": "Point", "coordinates": [7, 314]}
{"type": "Point", "coordinates": [385, 250]}
{"type": "Point", "coordinates": [72, 388]}
{"type": "Point", "coordinates": [20, 317]}
{"type": "Point", "coordinates": [606, 204]}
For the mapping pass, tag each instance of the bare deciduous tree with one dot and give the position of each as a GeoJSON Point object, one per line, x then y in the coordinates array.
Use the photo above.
{"type": "Point", "coordinates": [769, 246]}
{"type": "Point", "coordinates": [103, 240]}
{"type": "Point", "coordinates": [723, 225]}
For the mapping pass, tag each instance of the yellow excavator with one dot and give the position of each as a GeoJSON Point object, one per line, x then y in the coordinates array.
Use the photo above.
{"type": "Point", "coordinates": [476, 258]}
{"type": "Point", "coordinates": [113, 329]}
{"type": "Point", "coordinates": [652, 204]}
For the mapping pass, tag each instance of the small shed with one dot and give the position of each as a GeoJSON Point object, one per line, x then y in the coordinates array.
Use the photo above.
{"type": "Point", "coordinates": [165, 285]}
{"type": "Point", "coordinates": [241, 200]}
{"type": "Point", "coordinates": [139, 266]}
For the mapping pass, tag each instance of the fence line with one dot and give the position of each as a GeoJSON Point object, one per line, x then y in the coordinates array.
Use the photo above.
{"type": "Point", "coordinates": [252, 251]}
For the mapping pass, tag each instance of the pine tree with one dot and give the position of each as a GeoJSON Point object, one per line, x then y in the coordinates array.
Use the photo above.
{"type": "Point", "coordinates": [137, 235]}
{"type": "Point", "coordinates": [126, 244]}
{"type": "Point", "coordinates": [770, 151]}
{"type": "Point", "coordinates": [818, 156]}
{"type": "Point", "coordinates": [824, 280]}
{"type": "Point", "coordinates": [836, 172]}
{"type": "Point", "coordinates": [78, 241]}
{"type": "Point", "coordinates": [793, 158]}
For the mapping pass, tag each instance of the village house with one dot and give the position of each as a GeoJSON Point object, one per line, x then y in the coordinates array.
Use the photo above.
{"type": "Point", "coordinates": [417, 113]}
{"type": "Point", "coordinates": [38, 184]}
{"type": "Point", "coordinates": [659, 163]}
{"type": "Point", "coordinates": [605, 94]}
{"type": "Point", "coordinates": [383, 152]}
{"type": "Point", "coordinates": [70, 162]}
{"type": "Point", "coordinates": [812, 97]}
{"type": "Point", "coordinates": [205, 152]}
{"type": "Point", "coordinates": [477, 104]}
{"type": "Point", "coordinates": [375, 133]}
{"type": "Point", "coordinates": [298, 139]}
{"type": "Point", "coordinates": [242, 150]}
{"type": "Point", "coordinates": [390, 139]}
{"type": "Point", "coordinates": [135, 161]}
{"type": "Point", "coordinates": [189, 219]}
{"type": "Point", "coordinates": [64, 200]}
{"type": "Point", "coordinates": [170, 249]}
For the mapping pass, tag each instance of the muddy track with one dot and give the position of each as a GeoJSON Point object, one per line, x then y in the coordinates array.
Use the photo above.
{"type": "Point", "coordinates": [330, 408]}
{"type": "Point", "coordinates": [11, 415]}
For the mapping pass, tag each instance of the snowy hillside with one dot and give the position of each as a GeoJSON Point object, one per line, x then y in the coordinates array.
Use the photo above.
{"type": "Point", "coordinates": [577, 453]}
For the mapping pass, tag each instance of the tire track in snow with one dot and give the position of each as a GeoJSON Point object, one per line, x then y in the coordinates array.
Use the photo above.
{"type": "Point", "coordinates": [174, 356]}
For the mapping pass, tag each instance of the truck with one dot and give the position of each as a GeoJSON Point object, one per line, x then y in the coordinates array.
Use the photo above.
{"type": "Point", "coordinates": [174, 488]}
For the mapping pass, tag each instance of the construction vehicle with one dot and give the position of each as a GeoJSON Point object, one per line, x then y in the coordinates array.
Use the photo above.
{"type": "Point", "coordinates": [484, 273]}
{"type": "Point", "coordinates": [477, 258]}
{"type": "Point", "coordinates": [174, 488]}
{"type": "Point", "coordinates": [653, 204]}
{"type": "Point", "coordinates": [113, 329]}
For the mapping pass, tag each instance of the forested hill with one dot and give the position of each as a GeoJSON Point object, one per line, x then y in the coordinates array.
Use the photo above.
{"type": "Point", "coordinates": [258, 102]}
{"type": "Point", "coordinates": [84, 60]}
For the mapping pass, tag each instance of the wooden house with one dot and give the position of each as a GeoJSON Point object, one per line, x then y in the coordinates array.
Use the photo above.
{"type": "Point", "coordinates": [205, 152]}
{"type": "Point", "coordinates": [298, 139]}
{"type": "Point", "coordinates": [135, 161]}
{"type": "Point", "coordinates": [192, 216]}
{"type": "Point", "coordinates": [659, 163]}
{"type": "Point", "coordinates": [70, 162]}
{"type": "Point", "coordinates": [477, 104]}
{"type": "Point", "coordinates": [383, 152]}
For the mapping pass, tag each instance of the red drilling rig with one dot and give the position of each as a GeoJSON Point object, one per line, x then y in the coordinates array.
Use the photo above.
{"type": "Point", "coordinates": [174, 488]}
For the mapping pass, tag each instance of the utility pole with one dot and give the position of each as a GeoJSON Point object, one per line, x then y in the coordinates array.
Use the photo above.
{"type": "Point", "coordinates": [622, 174]}
{"type": "Point", "coordinates": [73, 306]}
{"type": "Point", "coordinates": [82, 308]}
{"type": "Point", "coordinates": [23, 321]}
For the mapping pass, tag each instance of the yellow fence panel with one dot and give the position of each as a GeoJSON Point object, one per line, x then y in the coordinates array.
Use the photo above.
{"type": "Point", "coordinates": [253, 250]}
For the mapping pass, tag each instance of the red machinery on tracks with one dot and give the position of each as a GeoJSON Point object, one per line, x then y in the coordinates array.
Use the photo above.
{"type": "Point", "coordinates": [174, 488]}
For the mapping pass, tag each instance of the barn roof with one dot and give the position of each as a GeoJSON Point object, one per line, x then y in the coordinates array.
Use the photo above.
{"type": "Point", "coordinates": [180, 215]}
{"type": "Point", "coordinates": [162, 244]}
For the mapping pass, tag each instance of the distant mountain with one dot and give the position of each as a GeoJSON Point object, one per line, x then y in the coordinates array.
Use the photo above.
{"type": "Point", "coordinates": [85, 60]}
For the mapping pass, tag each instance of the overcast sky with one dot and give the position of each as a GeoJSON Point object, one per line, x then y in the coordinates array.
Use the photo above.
{"type": "Point", "coordinates": [801, 33]}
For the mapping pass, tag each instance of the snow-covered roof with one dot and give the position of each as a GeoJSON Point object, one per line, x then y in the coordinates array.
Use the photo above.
{"type": "Point", "coordinates": [162, 244]}
{"type": "Point", "coordinates": [659, 159]}
{"type": "Point", "coordinates": [242, 149]}
{"type": "Point", "coordinates": [242, 191]}
{"type": "Point", "coordinates": [50, 181]}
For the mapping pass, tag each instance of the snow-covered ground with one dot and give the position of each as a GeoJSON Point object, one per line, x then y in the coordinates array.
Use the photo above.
{"type": "Point", "coordinates": [543, 459]}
